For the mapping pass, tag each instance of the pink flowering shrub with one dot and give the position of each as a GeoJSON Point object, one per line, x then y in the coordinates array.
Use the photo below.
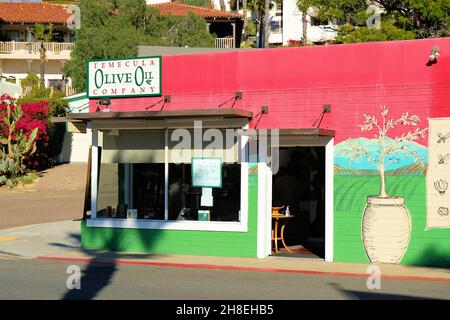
{"type": "Point", "coordinates": [294, 43]}
{"type": "Point", "coordinates": [35, 115]}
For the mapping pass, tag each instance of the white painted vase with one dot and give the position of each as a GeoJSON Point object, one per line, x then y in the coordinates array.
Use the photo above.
{"type": "Point", "coordinates": [386, 229]}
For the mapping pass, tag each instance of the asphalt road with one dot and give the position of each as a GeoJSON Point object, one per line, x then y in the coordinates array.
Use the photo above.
{"type": "Point", "coordinates": [38, 279]}
{"type": "Point", "coordinates": [56, 196]}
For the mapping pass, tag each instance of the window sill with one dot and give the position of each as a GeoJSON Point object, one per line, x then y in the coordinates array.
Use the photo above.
{"type": "Point", "coordinates": [167, 225]}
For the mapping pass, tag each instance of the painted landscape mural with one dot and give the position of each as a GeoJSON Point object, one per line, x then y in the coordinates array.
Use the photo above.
{"type": "Point", "coordinates": [380, 194]}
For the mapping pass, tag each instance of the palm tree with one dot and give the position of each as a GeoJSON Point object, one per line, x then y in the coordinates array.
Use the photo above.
{"type": "Point", "coordinates": [42, 33]}
{"type": "Point", "coordinates": [303, 7]}
{"type": "Point", "coordinates": [257, 6]}
{"type": "Point", "coordinates": [244, 27]}
{"type": "Point", "coordinates": [266, 23]}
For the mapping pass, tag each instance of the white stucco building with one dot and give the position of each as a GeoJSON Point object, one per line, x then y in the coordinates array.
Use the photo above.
{"type": "Point", "coordinates": [292, 27]}
{"type": "Point", "coordinates": [20, 52]}
{"type": "Point", "coordinates": [285, 23]}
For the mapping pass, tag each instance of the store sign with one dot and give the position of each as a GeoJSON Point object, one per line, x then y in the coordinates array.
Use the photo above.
{"type": "Point", "coordinates": [124, 77]}
{"type": "Point", "coordinates": [207, 172]}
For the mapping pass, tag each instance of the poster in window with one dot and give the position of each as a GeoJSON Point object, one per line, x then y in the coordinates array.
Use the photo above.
{"type": "Point", "coordinates": [207, 172]}
{"type": "Point", "coordinates": [203, 215]}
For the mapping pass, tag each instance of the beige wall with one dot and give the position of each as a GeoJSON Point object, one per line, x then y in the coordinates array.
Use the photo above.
{"type": "Point", "coordinates": [19, 68]}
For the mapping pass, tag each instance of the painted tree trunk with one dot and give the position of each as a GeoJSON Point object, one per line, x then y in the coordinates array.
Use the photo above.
{"type": "Point", "coordinates": [383, 193]}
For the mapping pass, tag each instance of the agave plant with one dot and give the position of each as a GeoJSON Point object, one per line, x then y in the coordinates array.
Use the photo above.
{"type": "Point", "coordinates": [8, 169]}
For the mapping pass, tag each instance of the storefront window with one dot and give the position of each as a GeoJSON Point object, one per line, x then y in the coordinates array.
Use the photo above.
{"type": "Point", "coordinates": [189, 203]}
{"type": "Point", "coordinates": [133, 177]}
{"type": "Point", "coordinates": [111, 194]}
{"type": "Point", "coordinates": [148, 190]}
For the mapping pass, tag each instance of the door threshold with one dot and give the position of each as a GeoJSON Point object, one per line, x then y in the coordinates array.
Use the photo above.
{"type": "Point", "coordinates": [294, 257]}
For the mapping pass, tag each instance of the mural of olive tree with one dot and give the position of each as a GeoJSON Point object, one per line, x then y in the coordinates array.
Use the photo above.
{"type": "Point", "coordinates": [389, 148]}
{"type": "Point", "coordinates": [386, 222]}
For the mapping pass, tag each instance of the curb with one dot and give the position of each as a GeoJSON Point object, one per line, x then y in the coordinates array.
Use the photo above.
{"type": "Point", "coordinates": [230, 268]}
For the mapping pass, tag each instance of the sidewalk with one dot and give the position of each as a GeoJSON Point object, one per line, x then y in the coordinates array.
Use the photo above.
{"type": "Point", "coordinates": [57, 195]}
{"type": "Point", "coordinates": [31, 241]}
{"type": "Point", "coordinates": [61, 241]}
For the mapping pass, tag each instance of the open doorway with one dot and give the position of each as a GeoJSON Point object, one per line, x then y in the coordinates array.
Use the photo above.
{"type": "Point", "coordinates": [300, 184]}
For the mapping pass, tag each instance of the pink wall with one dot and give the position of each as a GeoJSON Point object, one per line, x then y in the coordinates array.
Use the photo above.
{"type": "Point", "coordinates": [296, 82]}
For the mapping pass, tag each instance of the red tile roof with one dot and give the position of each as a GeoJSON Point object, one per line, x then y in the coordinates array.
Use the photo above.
{"type": "Point", "coordinates": [33, 12]}
{"type": "Point", "coordinates": [179, 9]}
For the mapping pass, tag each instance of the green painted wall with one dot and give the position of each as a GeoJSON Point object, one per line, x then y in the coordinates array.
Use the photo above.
{"type": "Point", "coordinates": [426, 248]}
{"type": "Point", "coordinates": [211, 243]}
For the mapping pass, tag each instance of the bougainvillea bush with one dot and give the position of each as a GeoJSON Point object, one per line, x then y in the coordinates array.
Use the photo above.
{"type": "Point", "coordinates": [35, 115]}
{"type": "Point", "coordinates": [294, 43]}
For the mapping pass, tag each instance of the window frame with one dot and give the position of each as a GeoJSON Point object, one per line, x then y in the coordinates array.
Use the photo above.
{"type": "Point", "coordinates": [190, 225]}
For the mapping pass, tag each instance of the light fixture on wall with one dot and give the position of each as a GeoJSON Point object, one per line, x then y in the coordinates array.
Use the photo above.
{"type": "Point", "coordinates": [434, 54]}
{"type": "Point", "coordinates": [103, 102]}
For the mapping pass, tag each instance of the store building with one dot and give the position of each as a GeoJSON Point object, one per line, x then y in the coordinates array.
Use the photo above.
{"type": "Point", "coordinates": [359, 186]}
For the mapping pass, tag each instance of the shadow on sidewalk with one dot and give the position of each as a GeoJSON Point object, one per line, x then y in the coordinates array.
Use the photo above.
{"type": "Point", "coordinates": [100, 269]}
{"type": "Point", "coordinates": [362, 295]}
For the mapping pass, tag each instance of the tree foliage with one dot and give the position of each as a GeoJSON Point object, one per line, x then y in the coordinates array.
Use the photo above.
{"type": "Point", "coordinates": [114, 29]}
{"type": "Point", "coordinates": [42, 32]}
{"type": "Point", "coordinates": [400, 19]}
{"type": "Point", "coordinates": [388, 31]}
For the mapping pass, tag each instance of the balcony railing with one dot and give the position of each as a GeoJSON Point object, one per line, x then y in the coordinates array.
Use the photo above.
{"type": "Point", "coordinates": [224, 43]}
{"type": "Point", "coordinates": [69, 90]}
{"type": "Point", "coordinates": [33, 47]}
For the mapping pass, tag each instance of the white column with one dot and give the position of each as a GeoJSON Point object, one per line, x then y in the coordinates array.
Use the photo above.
{"type": "Point", "coordinates": [264, 208]}
{"type": "Point", "coordinates": [244, 151]}
{"type": "Point", "coordinates": [329, 196]}
{"type": "Point", "coordinates": [269, 176]}
{"type": "Point", "coordinates": [29, 62]}
{"type": "Point", "coordinates": [94, 173]}
{"type": "Point", "coordinates": [166, 175]}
